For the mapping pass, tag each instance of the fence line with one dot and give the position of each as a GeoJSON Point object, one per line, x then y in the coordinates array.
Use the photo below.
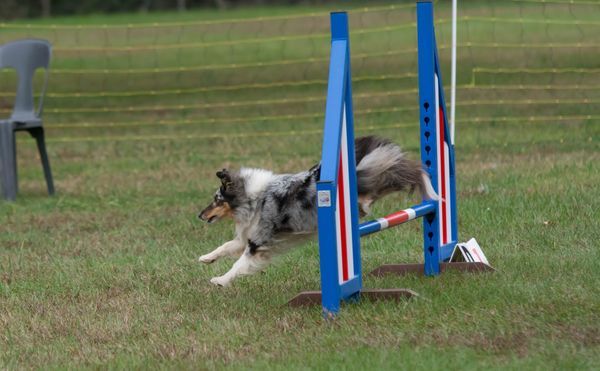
{"type": "Point", "coordinates": [288, 117]}
{"type": "Point", "coordinates": [229, 104]}
{"type": "Point", "coordinates": [78, 45]}
{"type": "Point", "coordinates": [530, 21]}
{"type": "Point", "coordinates": [292, 133]}
{"type": "Point", "coordinates": [525, 45]}
{"type": "Point", "coordinates": [219, 87]}
{"type": "Point", "coordinates": [534, 71]}
{"type": "Point", "coordinates": [199, 23]}
{"type": "Point", "coordinates": [235, 42]}
{"type": "Point", "coordinates": [475, 71]}
{"type": "Point", "coordinates": [307, 99]}
{"type": "Point", "coordinates": [197, 45]}
{"type": "Point", "coordinates": [513, 70]}
{"type": "Point", "coordinates": [294, 117]}
{"type": "Point", "coordinates": [470, 86]}
{"type": "Point", "coordinates": [29, 26]}
{"type": "Point", "coordinates": [562, 2]}
{"type": "Point", "coordinates": [285, 62]}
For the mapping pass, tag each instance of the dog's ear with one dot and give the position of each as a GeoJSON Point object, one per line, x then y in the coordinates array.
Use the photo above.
{"type": "Point", "coordinates": [228, 181]}
{"type": "Point", "coordinates": [225, 177]}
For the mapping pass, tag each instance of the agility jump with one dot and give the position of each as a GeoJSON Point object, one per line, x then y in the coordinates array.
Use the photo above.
{"type": "Point", "coordinates": [338, 218]}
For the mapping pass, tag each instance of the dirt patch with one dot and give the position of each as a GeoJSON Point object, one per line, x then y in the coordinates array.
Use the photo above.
{"type": "Point", "coordinates": [515, 343]}
{"type": "Point", "coordinates": [585, 336]}
{"type": "Point", "coordinates": [71, 222]}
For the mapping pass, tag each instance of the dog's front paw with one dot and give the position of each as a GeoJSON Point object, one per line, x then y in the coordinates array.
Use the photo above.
{"type": "Point", "coordinates": [220, 281]}
{"type": "Point", "coordinates": [207, 259]}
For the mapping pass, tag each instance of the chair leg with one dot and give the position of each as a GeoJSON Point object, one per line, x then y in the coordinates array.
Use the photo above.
{"type": "Point", "coordinates": [8, 162]}
{"type": "Point", "coordinates": [38, 134]}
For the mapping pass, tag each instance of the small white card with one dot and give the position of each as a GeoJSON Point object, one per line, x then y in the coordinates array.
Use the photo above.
{"type": "Point", "coordinates": [470, 252]}
{"type": "Point", "coordinates": [324, 199]}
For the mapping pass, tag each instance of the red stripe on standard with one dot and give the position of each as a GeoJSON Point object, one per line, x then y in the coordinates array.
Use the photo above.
{"type": "Point", "coordinates": [442, 169]}
{"type": "Point", "coordinates": [342, 216]}
{"type": "Point", "coordinates": [397, 218]}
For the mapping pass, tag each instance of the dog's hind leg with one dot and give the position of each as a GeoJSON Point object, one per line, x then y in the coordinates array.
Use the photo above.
{"type": "Point", "coordinates": [247, 264]}
{"type": "Point", "coordinates": [233, 247]}
{"type": "Point", "coordinates": [364, 205]}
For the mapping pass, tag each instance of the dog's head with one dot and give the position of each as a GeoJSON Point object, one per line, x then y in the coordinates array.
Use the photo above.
{"type": "Point", "coordinates": [225, 199]}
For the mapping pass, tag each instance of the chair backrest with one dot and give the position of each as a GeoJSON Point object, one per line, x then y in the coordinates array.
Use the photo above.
{"type": "Point", "coordinates": [26, 56]}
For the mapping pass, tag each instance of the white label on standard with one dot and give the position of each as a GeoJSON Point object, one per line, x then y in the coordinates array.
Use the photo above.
{"type": "Point", "coordinates": [324, 199]}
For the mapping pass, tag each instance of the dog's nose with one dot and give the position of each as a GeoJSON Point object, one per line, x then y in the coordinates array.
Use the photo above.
{"type": "Point", "coordinates": [200, 216]}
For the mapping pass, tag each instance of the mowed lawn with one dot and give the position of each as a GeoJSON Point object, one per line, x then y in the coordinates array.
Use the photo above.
{"type": "Point", "coordinates": [105, 274]}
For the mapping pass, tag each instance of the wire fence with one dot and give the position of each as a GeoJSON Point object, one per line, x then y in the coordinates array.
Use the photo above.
{"type": "Point", "coordinates": [524, 61]}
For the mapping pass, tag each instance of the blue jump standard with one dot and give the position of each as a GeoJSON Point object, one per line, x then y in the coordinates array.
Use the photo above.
{"type": "Point", "coordinates": [338, 225]}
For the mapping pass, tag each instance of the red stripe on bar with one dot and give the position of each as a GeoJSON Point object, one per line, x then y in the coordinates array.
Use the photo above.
{"type": "Point", "coordinates": [342, 216]}
{"type": "Point", "coordinates": [442, 169]}
{"type": "Point", "coordinates": [397, 218]}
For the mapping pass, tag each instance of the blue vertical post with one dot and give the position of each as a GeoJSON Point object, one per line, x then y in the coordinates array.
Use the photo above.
{"type": "Point", "coordinates": [428, 119]}
{"type": "Point", "coordinates": [338, 111]}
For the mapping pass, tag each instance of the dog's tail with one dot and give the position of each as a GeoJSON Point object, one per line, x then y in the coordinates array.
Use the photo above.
{"type": "Point", "coordinates": [383, 168]}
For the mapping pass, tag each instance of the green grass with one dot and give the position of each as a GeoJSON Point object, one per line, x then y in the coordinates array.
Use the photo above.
{"type": "Point", "coordinates": [105, 274]}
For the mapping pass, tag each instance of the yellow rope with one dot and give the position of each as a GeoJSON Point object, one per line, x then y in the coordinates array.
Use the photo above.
{"type": "Point", "coordinates": [29, 26]}
{"type": "Point", "coordinates": [531, 20]}
{"type": "Point", "coordinates": [528, 101]}
{"type": "Point", "coordinates": [216, 88]}
{"type": "Point", "coordinates": [552, 70]}
{"type": "Point", "coordinates": [234, 87]}
{"type": "Point", "coordinates": [294, 37]}
{"type": "Point", "coordinates": [562, 2]}
{"type": "Point", "coordinates": [197, 23]}
{"type": "Point", "coordinates": [308, 99]}
{"type": "Point", "coordinates": [287, 62]}
{"type": "Point", "coordinates": [261, 102]}
{"type": "Point", "coordinates": [288, 117]}
{"type": "Point", "coordinates": [214, 136]}
{"type": "Point", "coordinates": [257, 40]}
{"type": "Point", "coordinates": [291, 133]}
{"type": "Point", "coordinates": [528, 45]}
{"type": "Point", "coordinates": [227, 66]}
{"type": "Point", "coordinates": [536, 70]}
{"type": "Point", "coordinates": [529, 87]}
{"type": "Point", "coordinates": [543, 119]}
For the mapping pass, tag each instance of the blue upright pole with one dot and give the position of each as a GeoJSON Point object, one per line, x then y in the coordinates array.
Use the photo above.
{"type": "Point", "coordinates": [339, 240]}
{"type": "Point", "coordinates": [428, 119]}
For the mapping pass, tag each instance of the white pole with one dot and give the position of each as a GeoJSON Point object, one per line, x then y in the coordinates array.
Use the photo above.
{"type": "Point", "coordinates": [453, 84]}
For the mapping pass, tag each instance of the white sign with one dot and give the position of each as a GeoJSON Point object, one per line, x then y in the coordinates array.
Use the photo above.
{"type": "Point", "coordinates": [470, 252]}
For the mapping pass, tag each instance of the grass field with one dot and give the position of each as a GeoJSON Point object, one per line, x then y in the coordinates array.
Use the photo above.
{"type": "Point", "coordinates": [105, 274]}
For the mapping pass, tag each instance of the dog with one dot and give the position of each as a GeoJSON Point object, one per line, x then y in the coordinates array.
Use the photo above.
{"type": "Point", "coordinates": [273, 212]}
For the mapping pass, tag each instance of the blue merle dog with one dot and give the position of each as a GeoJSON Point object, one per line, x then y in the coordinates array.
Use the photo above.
{"type": "Point", "coordinates": [273, 212]}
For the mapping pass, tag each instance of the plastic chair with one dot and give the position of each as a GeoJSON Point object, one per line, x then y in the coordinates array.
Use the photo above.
{"type": "Point", "coordinates": [25, 56]}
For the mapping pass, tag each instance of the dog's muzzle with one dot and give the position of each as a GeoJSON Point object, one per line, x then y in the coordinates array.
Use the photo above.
{"type": "Point", "coordinates": [210, 220]}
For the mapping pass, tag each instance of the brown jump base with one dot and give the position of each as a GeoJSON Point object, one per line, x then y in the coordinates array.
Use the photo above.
{"type": "Point", "coordinates": [309, 298]}
{"type": "Point", "coordinates": [403, 269]}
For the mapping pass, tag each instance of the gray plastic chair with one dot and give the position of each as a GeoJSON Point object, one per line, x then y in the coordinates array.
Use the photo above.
{"type": "Point", "coordinates": [25, 56]}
